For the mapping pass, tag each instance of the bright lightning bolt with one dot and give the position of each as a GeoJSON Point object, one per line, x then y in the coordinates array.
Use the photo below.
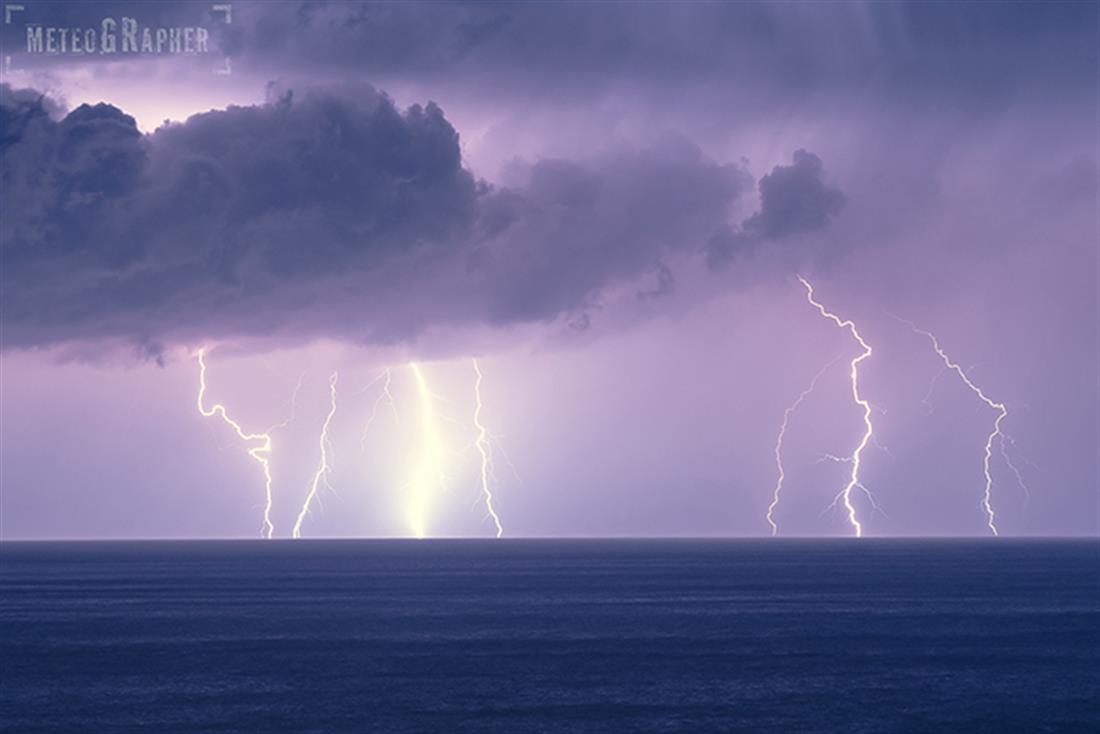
{"type": "Point", "coordinates": [485, 449]}
{"type": "Point", "coordinates": [323, 468]}
{"type": "Point", "coordinates": [261, 453]}
{"type": "Point", "coordinates": [857, 455]}
{"type": "Point", "coordinates": [428, 474]}
{"type": "Point", "coordinates": [779, 444]}
{"type": "Point", "coordinates": [1002, 413]}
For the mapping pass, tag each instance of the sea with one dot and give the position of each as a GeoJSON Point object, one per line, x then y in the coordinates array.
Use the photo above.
{"type": "Point", "coordinates": [775, 636]}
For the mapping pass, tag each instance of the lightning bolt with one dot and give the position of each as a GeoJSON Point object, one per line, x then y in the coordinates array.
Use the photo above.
{"type": "Point", "coordinates": [926, 401]}
{"type": "Point", "coordinates": [428, 474]}
{"type": "Point", "coordinates": [779, 443]}
{"type": "Point", "coordinates": [384, 395]}
{"type": "Point", "coordinates": [1005, 440]}
{"type": "Point", "coordinates": [1002, 413]}
{"type": "Point", "coordinates": [261, 453]}
{"type": "Point", "coordinates": [323, 468]}
{"type": "Point", "coordinates": [293, 404]}
{"type": "Point", "coordinates": [857, 455]}
{"type": "Point", "coordinates": [484, 448]}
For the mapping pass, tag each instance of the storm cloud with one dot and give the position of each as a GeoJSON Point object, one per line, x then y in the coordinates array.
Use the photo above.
{"type": "Point", "coordinates": [606, 205]}
{"type": "Point", "coordinates": [903, 50]}
{"type": "Point", "coordinates": [333, 214]}
{"type": "Point", "coordinates": [794, 199]}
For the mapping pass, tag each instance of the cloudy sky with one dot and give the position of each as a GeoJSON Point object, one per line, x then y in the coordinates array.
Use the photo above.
{"type": "Point", "coordinates": [607, 205]}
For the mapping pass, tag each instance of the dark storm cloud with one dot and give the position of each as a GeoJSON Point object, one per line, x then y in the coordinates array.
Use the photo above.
{"type": "Point", "coordinates": [906, 46]}
{"type": "Point", "coordinates": [576, 226]}
{"type": "Point", "coordinates": [112, 232]}
{"type": "Point", "coordinates": [325, 214]}
{"type": "Point", "coordinates": [909, 49]}
{"type": "Point", "coordinates": [794, 199]}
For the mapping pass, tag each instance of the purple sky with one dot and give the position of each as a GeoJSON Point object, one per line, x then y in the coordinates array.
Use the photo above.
{"type": "Point", "coordinates": [607, 205]}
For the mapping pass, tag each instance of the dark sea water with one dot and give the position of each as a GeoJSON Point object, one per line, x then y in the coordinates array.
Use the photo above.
{"type": "Point", "coordinates": [531, 636]}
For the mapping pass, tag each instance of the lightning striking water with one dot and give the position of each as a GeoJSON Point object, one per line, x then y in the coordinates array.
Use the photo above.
{"type": "Point", "coordinates": [484, 448]}
{"type": "Point", "coordinates": [428, 474]}
{"type": "Point", "coordinates": [261, 453]}
{"type": "Point", "coordinates": [779, 443]}
{"type": "Point", "coordinates": [386, 396]}
{"type": "Point", "coordinates": [1002, 413]}
{"type": "Point", "coordinates": [857, 455]}
{"type": "Point", "coordinates": [323, 468]}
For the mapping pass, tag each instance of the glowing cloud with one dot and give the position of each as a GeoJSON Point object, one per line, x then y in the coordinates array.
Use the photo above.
{"type": "Point", "coordinates": [323, 468]}
{"type": "Point", "coordinates": [857, 455]}
{"type": "Point", "coordinates": [261, 453]}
